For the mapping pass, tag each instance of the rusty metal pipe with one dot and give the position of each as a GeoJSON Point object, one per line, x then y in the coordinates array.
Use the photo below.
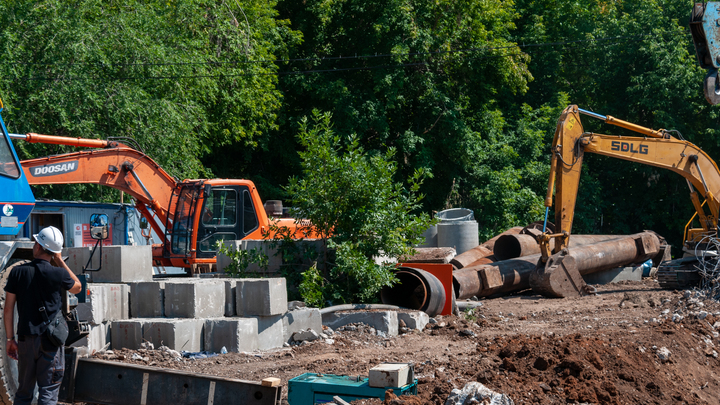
{"type": "Point", "coordinates": [506, 276]}
{"type": "Point", "coordinates": [473, 255]}
{"type": "Point", "coordinates": [490, 244]}
{"type": "Point", "coordinates": [512, 246]}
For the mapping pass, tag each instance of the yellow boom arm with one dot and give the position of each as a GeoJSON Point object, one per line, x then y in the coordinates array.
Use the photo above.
{"type": "Point", "coordinates": [654, 148]}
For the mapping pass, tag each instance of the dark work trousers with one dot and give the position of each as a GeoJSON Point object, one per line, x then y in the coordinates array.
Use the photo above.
{"type": "Point", "coordinates": [42, 363]}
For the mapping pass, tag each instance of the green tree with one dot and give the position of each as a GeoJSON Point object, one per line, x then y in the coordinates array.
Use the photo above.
{"type": "Point", "coordinates": [354, 204]}
{"type": "Point", "coordinates": [428, 80]}
{"type": "Point", "coordinates": [173, 76]}
{"type": "Point", "coordinates": [633, 60]}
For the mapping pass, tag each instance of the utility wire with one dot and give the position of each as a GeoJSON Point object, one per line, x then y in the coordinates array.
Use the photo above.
{"type": "Point", "coordinates": [565, 44]}
{"type": "Point", "coordinates": [328, 58]}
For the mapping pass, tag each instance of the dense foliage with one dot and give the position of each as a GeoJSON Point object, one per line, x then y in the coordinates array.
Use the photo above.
{"type": "Point", "coordinates": [357, 208]}
{"type": "Point", "coordinates": [467, 91]}
{"type": "Point", "coordinates": [172, 75]}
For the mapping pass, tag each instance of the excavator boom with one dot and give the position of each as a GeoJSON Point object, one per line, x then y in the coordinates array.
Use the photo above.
{"type": "Point", "coordinates": [656, 148]}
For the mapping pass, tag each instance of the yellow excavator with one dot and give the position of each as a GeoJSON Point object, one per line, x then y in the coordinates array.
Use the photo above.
{"type": "Point", "coordinates": [557, 277]}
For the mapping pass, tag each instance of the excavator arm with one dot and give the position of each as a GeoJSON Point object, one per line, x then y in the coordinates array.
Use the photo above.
{"type": "Point", "coordinates": [116, 166]}
{"type": "Point", "coordinates": [655, 148]}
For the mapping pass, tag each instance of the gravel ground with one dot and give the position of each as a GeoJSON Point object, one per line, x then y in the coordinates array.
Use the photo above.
{"type": "Point", "coordinates": [632, 343]}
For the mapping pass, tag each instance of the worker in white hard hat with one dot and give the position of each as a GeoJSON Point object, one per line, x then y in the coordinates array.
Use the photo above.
{"type": "Point", "coordinates": [32, 286]}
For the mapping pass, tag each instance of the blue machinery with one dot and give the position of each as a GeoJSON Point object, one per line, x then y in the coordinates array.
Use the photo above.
{"type": "Point", "coordinates": [16, 199]}
{"type": "Point", "coordinates": [311, 389]}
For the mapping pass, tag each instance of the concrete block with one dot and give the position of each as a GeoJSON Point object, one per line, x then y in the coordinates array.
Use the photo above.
{"type": "Point", "coordinates": [265, 246]}
{"type": "Point", "coordinates": [414, 320]}
{"type": "Point", "coordinates": [270, 331]}
{"type": "Point", "coordinates": [105, 302]}
{"type": "Point", "coordinates": [126, 334]}
{"type": "Point", "coordinates": [390, 375]}
{"type": "Point", "coordinates": [235, 334]}
{"type": "Point", "coordinates": [614, 275]}
{"type": "Point", "coordinates": [77, 257]}
{"type": "Point", "coordinates": [230, 297]}
{"type": "Point", "coordinates": [97, 339]}
{"type": "Point", "coordinates": [261, 296]}
{"type": "Point", "coordinates": [385, 321]}
{"type": "Point", "coordinates": [177, 334]}
{"type": "Point", "coordinates": [195, 299]}
{"type": "Point", "coordinates": [118, 301]}
{"type": "Point", "coordinates": [147, 299]}
{"type": "Point", "coordinates": [301, 319]}
{"type": "Point", "coordinates": [120, 264]}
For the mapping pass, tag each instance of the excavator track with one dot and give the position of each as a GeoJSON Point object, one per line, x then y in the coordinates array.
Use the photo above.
{"type": "Point", "coordinates": [679, 274]}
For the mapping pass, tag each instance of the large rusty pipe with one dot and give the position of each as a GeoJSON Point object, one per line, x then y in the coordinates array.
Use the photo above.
{"type": "Point", "coordinates": [512, 246]}
{"type": "Point", "coordinates": [506, 276]}
{"type": "Point", "coordinates": [471, 256]}
{"type": "Point", "coordinates": [490, 244]}
{"type": "Point", "coordinates": [488, 279]}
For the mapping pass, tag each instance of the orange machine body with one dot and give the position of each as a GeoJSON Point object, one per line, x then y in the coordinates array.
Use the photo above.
{"type": "Point", "coordinates": [191, 216]}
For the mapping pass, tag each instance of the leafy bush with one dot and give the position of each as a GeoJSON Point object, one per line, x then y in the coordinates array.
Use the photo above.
{"type": "Point", "coordinates": [356, 206]}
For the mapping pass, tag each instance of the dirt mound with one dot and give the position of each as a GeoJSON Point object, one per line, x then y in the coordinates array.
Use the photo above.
{"type": "Point", "coordinates": [633, 343]}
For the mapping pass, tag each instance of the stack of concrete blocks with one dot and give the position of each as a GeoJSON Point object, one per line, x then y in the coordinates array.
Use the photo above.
{"type": "Point", "coordinates": [260, 306]}
{"type": "Point", "coordinates": [241, 315]}
{"type": "Point", "coordinates": [125, 306]}
{"type": "Point", "coordinates": [104, 304]}
{"type": "Point", "coordinates": [170, 313]}
{"type": "Point", "coordinates": [108, 295]}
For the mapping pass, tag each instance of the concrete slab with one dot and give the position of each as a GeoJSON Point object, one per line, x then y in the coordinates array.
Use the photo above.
{"type": "Point", "coordinates": [299, 320]}
{"type": "Point", "coordinates": [120, 264]}
{"type": "Point", "coordinates": [177, 334]}
{"type": "Point", "coordinates": [105, 302]}
{"type": "Point", "coordinates": [261, 296]}
{"type": "Point", "coordinates": [235, 334]}
{"type": "Point", "coordinates": [195, 299]}
{"type": "Point", "coordinates": [615, 275]}
{"type": "Point", "coordinates": [147, 299]}
{"type": "Point", "coordinates": [270, 331]}
{"type": "Point", "coordinates": [414, 320]}
{"type": "Point", "coordinates": [385, 321]}
{"type": "Point", "coordinates": [77, 257]}
{"type": "Point", "coordinates": [97, 339]}
{"type": "Point", "coordinates": [230, 296]}
{"type": "Point", "coordinates": [126, 334]}
{"type": "Point", "coordinates": [265, 246]}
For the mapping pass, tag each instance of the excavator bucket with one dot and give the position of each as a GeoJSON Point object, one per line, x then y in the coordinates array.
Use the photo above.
{"type": "Point", "coordinates": [559, 277]}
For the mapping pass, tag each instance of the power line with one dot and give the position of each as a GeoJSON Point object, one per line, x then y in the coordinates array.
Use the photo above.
{"type": "Point", "coordinates": [566, 45]}
{"type": "Point", "coordinates": [340, 57]}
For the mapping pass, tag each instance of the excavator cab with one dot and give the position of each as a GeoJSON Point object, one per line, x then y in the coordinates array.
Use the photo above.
{"type": "Point", "coordinates": [17, 200]}
{"type": "Point", "coordinates": [218, 209]}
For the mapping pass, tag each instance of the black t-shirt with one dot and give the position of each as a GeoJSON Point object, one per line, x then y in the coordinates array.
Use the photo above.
{"type": "Point", "coordinates": [30, 289]}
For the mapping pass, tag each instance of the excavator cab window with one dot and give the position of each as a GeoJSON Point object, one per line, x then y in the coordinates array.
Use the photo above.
{"type": "Point", "coordinates": [181, 233]}
{"type": "Point", "coordinates": [227, 214]}
{"type": "Point", "coordinates": [250, 221]}
{"type": "Point", "coordinates": [8, 165]}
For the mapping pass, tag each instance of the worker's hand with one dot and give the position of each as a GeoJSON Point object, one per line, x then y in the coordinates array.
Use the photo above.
{"type": "Point", "coordinates": [57, 259]}
{"type": "Point", "coordinates": [12, 349]}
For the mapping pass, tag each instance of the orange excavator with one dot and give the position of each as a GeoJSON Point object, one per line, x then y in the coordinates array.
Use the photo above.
{"type": "Point", "coordinates": [190, 216]}
{"type": "Point", "coordinates": [555, 276]}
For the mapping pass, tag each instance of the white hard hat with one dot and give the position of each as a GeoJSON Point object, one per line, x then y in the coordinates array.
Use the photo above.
{"type": "Point", "coordinates": [50, 238]}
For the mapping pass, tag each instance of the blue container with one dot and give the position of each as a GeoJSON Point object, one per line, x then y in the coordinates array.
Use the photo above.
{"type": "Point", "coordinates": [311, 389]}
